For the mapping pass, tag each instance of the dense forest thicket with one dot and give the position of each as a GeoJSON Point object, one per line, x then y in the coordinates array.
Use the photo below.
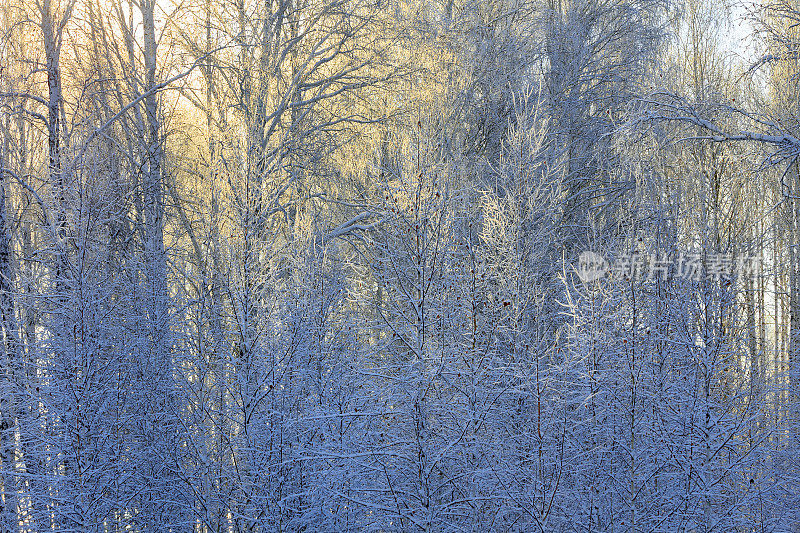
{"type": "Point", "coordinates": [399, 265]}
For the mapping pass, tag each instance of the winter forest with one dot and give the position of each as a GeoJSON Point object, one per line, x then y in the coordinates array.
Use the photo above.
{"type": "Point", "coordinates": [399, 265]}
